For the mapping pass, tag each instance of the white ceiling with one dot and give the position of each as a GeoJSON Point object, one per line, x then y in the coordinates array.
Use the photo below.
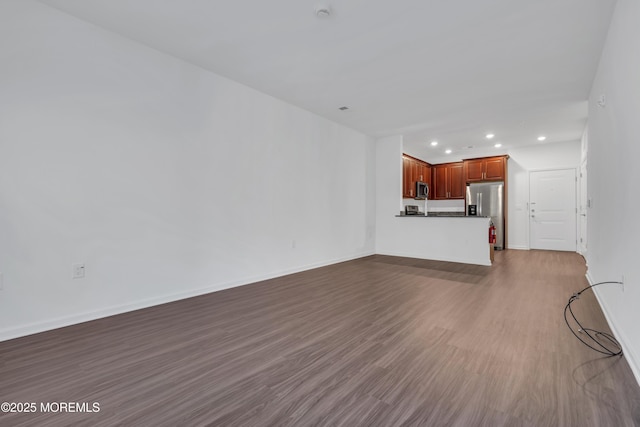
{"type": "Point", "coordinates": [427, 69]}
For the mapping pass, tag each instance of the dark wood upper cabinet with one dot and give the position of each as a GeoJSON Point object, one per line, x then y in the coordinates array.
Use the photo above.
{"type": "Point", "coordinates": [439, 182]}
{"type": "Point", "coordinates": [485, 169]}
{"type": "Point", "coordinates": [414, 170]}
{"type": "Point", "coordinates": [406, 177]}
{"type": "Point", "coordinates": [448, 181]}
{"type": "Point", "coordinates": [474, 170]}
{"type": "Point", "coordinates": [457, 186]}
{"type": "Point", "coordinates": [425, 174]}
{"type": "Point", "coordinates": [415, 173]}
{"type": "Point", "coordinates": [495, 168]}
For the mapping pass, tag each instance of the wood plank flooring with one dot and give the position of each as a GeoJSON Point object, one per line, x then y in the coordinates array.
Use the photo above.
{"type": "Point", "coordinates": [379, 341]}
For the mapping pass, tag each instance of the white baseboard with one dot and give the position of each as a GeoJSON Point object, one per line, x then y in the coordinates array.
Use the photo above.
{"type": "Point", "coordinates": [60, 322]}
{"type": "Point", "coordinates": [518, 247]}
{"type": "Point", "coordinates": [486, 262]}
{"type": "Point", "coordinates": [631, 357]}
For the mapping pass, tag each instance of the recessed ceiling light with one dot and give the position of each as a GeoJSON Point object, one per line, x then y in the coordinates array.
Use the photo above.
{"type": "Point", "coordinates": [498, 145]}
{"type": "Point", "coordinates": [448, 151]}
{"type": "Point", "coordinates": [542, 138]}
{"type": "Point", "coordinates": [490, 135]}
{"type": "Point", "coordinates": [434, 143]}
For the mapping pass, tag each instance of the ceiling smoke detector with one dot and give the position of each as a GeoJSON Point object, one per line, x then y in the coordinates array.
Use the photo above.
{"type": "Point", "coordinates": [323, 11]}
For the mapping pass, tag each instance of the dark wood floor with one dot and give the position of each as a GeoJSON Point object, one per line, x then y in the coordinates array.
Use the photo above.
{"type": "Point", "coordinates": [380, 341]}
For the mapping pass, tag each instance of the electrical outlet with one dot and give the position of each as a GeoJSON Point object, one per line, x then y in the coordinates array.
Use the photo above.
{"type": "Point", "coordinates": [78, 271]}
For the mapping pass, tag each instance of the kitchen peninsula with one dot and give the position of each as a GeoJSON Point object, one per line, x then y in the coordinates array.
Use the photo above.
{"type": "Point", "coordinates": [444, 238]}
{"type": "Point", "coordinates": [439, 228]}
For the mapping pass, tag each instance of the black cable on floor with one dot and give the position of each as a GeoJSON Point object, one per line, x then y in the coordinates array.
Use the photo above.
{"type": "Point", "coordinates": [591, 333]}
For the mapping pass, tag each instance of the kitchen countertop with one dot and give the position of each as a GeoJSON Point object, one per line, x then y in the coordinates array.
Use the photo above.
{"type": "Point", "coordinates": [441, 215]}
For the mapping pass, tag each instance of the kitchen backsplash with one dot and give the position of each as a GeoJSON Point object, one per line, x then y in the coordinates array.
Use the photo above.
{"type": "Point", "coordinates": [445, 205]}
{"type": "Point", "coordinates": [436, 205]}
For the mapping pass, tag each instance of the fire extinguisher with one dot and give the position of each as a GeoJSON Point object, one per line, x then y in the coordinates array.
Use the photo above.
{"type": "Point", "coordinates": [492, 233]}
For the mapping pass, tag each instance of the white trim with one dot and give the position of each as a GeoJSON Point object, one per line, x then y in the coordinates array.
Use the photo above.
{"type": "Point", "coordinates": [60, 322]}
{"type": "Point", "coordinates": [519, 247]}
{"type": "Point", "coordinates": [486, 262]}
{"type": "Point", "coordinates": [582, 181]}
{"type": "Point", "coordinates": [629, 355]}
{"type": "Point", "coordinates": [559, 168]}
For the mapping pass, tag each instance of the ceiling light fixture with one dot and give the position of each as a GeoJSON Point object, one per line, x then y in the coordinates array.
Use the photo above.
{"type": "Point", "coordinates": [490, 135]}
{"type": "Point", "coordinates": [542, 138]}
{"type": "Point", "coordinates": [498, 145]}
{"type": "Point", "coordinates": [448, 151]}
{"type": "Point", "coordinates": [434, 143]}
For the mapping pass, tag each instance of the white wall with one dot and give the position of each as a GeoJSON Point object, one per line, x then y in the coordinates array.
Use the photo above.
{"type": "Point", "coordinates": [521, 162]}
{"type": "Point", "coordinates": [166, 180]}
{"type": "Point", "coordinates": [388, 182]}
{"type": "Point", "coordinates": [614, 131]}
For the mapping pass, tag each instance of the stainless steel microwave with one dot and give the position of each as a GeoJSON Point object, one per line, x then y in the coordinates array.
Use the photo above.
{"type": "Point", "coordinates": [422, 190]}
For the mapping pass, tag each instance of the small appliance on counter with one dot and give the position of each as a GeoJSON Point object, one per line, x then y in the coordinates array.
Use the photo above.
{"type": "Point", "coordinates": [473, 210]}
{"type": "Point", "coordinates": [412, 210]}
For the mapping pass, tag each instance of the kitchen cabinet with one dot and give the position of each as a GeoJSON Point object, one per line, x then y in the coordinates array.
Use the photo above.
{"type": "Point", "coordinates": [406, 177]}
{"type": "Point", "coordinates": [448, 181]}
{"type": "Point", "coordinates": [413, 170]}
{"type": "Point", "coordinates": [485, 169]}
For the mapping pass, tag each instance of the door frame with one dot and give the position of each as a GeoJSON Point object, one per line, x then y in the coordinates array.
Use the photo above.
{"type": "Point", "coordinates": [576, 171]}
{"type": "Point", "coordinates": [582, 215]}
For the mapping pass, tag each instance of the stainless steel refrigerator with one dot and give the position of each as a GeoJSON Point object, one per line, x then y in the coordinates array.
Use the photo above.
{"type": "Point", "coordinates": [488, 197]}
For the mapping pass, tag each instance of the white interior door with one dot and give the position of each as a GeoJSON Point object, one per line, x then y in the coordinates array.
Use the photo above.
{"type": "Point", "coordinates": [552, 213]}
{"type": "Point", "coordinates": [582, 211]}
